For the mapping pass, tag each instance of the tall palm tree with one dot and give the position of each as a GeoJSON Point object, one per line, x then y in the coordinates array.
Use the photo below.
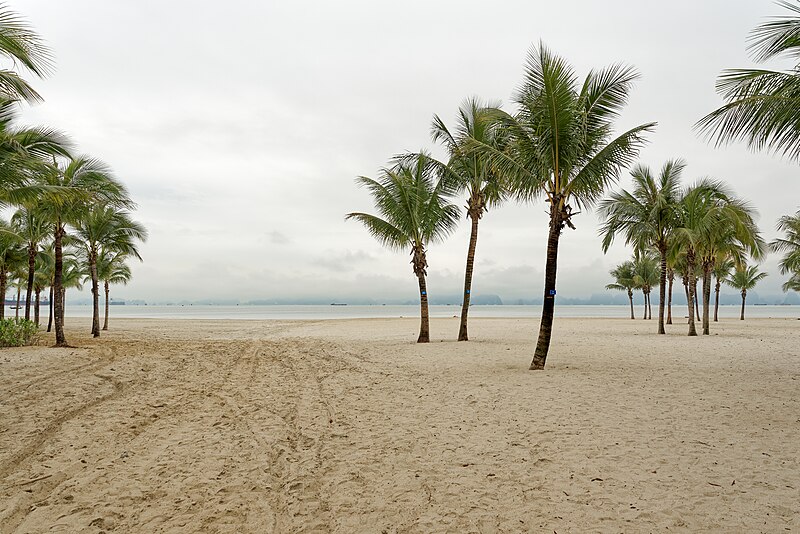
{"type": "Point", "coordinates": [646, 216]}
{"type": "Point", "coordinates": [646, 275]}
{"type": "Point", "coordinates": [762, 107]}
{"type": "Point", "coordinates": [722, 269]}
{"type": "Point", "coordinates": [66, 190]}
{"type": "Point", "coordinates": [790, 246]}
{"type": "Point", "coordinates": [562, 147]}
{"type": "Point", "coordinates": [111, 269]}
{"type": "Point", "coordinates": [470, 172]}
{"type": "Point", "coordinates": [414, 213]}
{"type": "Point", "coordinates": [624, 280]}
{"type": "Point", "coordinates": [111, 228]}
{"type": "Point", "coordinates": [22, 46]}
{"type": "Point", "coordinates": [32, 227]}
{"type": "Point", "coordinates": [744, 278]}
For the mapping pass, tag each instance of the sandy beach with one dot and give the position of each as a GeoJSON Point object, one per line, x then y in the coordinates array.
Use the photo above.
{"type": "Point", "coordinates": [349, 426]}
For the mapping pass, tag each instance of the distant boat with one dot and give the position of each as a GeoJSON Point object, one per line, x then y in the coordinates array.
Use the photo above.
{"type": "Point", "coordinates": [338, 304]}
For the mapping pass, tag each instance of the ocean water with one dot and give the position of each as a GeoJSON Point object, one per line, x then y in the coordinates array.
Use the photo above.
{"type": "Point", "coordinates": [359, 312]}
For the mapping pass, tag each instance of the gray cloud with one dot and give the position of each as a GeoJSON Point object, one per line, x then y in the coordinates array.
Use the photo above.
{"type": "Point", "coordinates": [241, 149]}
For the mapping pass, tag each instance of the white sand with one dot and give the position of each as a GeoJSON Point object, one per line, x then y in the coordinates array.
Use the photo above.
{"type": "Point", "coordinates": [349, 426]}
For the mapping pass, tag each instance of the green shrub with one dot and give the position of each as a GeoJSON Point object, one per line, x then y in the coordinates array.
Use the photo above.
{"type": "Point", "coordinates": [16, 332]}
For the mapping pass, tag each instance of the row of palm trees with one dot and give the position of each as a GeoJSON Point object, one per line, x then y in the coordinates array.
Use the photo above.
{"type": "Point", "coordinates": [559, 146]}
{"type": "Point", "coordinates": [72, 216]}
{"type": "Point", "coordinates": [642, 272]}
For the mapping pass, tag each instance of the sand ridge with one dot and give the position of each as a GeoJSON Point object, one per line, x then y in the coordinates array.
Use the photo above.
{"type": "Point", "coordinates": [349, 426]}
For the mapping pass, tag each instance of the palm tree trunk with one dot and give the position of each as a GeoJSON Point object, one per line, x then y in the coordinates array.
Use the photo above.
{"type": "Point", "coordinates": [671, 279]}
{"type": "Point", "coordinates": [549, 303]}
{"type": "Point", "coordinates": [105, 320]}
{"type": "Point", "coordinates": [3, 289]}
{"type": "Point", "coordinates": [424, 324]}
{"type": "Point", "coordinates": [19, 296]}
{"type": "Point", "coordinates": [38, 293]}
{"type": "Point", "coordinates": [649, 306]}
{"type": "Point", "coordinates": [473, 242]}
{"type": "Point", "coordinates": [50, 312]}
{"type": "Point", "coordinates": [662, 289]}
{"type": "Point", "coordinates": [95, 294]}
{"type": "Point", "coordinates": [696, 305]}
{"type": "Point", "coordinates": [716, 301]}
{"type": "Point", "coordinates": [31, 274]}
{"type": "Point", "coordinates": [706, 299]}
{"type": "Point", "coordinates": [691, 285]}
{"type": "Point", "coordinates": [744, 296]}
{"type": "Point", "coordinates": [420, 263]}
{"type": "Point", "coordinates": [58, 293]}
{"type": "Point", "coordinates": [686, 290]}
{"type": "Point", "coordinates": [644, 305]}
{"type": "Point", "coordinates": [630, 298]}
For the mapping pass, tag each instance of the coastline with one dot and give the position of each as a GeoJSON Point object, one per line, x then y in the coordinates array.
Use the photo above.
{"type": "Point", "coordinates": [349, 426]}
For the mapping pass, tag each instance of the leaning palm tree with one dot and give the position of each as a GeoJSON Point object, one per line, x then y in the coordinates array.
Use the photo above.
{"type": "Point", "coordinates": [762, 107]}
{"type": "Point", "coordinates": [470, 172]}
{"type": "Point", "coordinates": [561, 147]}
{"type": "Point", "coordinates": [106, 227]}
{"type": "Point", "coordinates": [414, 213]}
{"type": "Point", "coordinates": [111, 269]}
{"type": "Point", "coordinates": [65, 191]}
{"type": "Point", "coordinates": [790, 246]}
{"type": "Point", "coordinates": [646, 216]}
{"type": "Point", "coordinates": [624, 280]}
{"type": "Point", "coordinates": [744, 278]}
{"type": "Point", "coordinates": [20, 44]}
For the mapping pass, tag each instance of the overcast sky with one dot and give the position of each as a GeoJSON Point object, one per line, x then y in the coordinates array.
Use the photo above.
{"type": "Point", "coordinates": [239, 128]}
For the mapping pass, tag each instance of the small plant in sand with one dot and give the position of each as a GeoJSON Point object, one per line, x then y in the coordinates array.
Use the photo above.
{"type": "Point", "coordinates": [17, 332]}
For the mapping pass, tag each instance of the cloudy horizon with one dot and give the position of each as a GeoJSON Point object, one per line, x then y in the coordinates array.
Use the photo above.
{"type": "Point", "coordinates": [240, 130]}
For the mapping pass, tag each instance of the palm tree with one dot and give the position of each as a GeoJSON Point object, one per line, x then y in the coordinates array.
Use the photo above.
{"type": "Point", "coordinates": [73, 275]}
{"type": "Point", "coordinates": [66, 190]}
{"type": "Point", "coordinates": [646, 216]}
{"type": "Point", "coordinates": [470, 172]}
{"type": "Point", "coordinates": [23, 153]}
{"type": "Point", "coordinates": [561, 147]}
{"type": "Point", "coordinates": [624, 280]}
{"type": "Point", "coordinates": [735, 234]}
{"type": "Point", "coordinates": [646, 275]}
{"type": "Point", "coordinates": [744, 278]}
{"type": "Point", "coordinates": [11, 256]}
{"type": "Point", "coordinates": [722, 269]}
{"type": "Point", "coordinates": [43, 279]}
{"type": "Point", "coordinates": [21, 45]}
{"type": "Point", "coordinates": [710, 220]}
{"type": "Point", "coordinates": [109, 228]}
{"type": "Point", "coordinates": [762, 107]}
{"type": "Point", "coordinates": [33, 229]}
{"type": "Point", "coordinates": [414, 214]}
{"type": "Point", "coordinates": [790, 245]}
{"type": "Point", "coordinates": [111, 269]}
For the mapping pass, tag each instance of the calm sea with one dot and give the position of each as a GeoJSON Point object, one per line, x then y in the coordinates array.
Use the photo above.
{"type": "Point", "coordinates": [358, 312]}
